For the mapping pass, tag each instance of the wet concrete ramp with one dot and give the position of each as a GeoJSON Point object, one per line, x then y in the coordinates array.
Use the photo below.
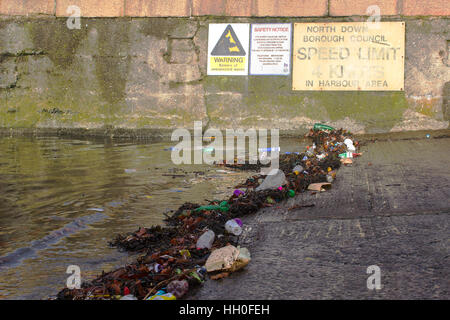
{"type": "Point", "coordinates": [389, 209]}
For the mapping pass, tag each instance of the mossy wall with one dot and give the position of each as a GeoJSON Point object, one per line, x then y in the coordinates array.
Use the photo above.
{"type": "Point", "coordinates": [150, 73]}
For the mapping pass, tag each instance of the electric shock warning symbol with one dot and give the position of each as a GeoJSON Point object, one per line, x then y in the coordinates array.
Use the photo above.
{"type": "Point", "coordinates": [228, 48]}
{"type": "Point", "coordinates": [228, 44]}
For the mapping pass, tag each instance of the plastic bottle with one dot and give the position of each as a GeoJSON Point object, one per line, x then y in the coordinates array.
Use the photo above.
{"type": "Point", "coordinates": [206, 240]}
{"type": "Point", "coordinates": [298, 169]}
{"type": "Point", "coordinates": [233, 227]}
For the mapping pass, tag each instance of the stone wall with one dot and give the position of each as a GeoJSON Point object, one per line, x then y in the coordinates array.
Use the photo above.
{"type": "Point", "coordinates": [131, 67]}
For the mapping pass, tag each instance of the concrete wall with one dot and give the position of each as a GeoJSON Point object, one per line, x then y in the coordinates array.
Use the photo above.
{"type": "Point", "coordinates": [128, 67]}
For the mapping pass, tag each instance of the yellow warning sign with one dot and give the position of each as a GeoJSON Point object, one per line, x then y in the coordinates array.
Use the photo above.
{"type": "Point", "coordinates": [228, 44]}
{"type": "Point", "coordinates": [228, 49]}
{"type": "Point", "coordinates": [349, 56]}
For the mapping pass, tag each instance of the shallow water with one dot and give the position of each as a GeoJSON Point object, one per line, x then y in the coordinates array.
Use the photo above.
{"type": "Point", "coordinates": [62, 200]}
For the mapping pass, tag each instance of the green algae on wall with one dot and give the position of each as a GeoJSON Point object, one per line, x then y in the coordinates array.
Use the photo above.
{"type": "Point", "coordinates": [89, 76]}
{"type": "Point", "coordinates": [55, 39]}
{"type": "Point", "coordinates": [271, 97]}
{"type": "Point", "coordinates": [112, 63]}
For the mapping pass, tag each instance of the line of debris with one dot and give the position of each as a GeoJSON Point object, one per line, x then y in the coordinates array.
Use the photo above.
{"type": "Point", "coordinates": [201, 241]}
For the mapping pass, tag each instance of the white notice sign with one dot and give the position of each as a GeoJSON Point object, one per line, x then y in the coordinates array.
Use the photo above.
{"type": "Point", "coordinates": [270, 52]}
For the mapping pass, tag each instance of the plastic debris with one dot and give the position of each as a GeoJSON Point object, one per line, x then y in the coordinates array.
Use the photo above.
{"type": "Point", "coordinates": [178, 288]}
{"type": "Point", "coordinates": [206, 240]}
{"type": "Point", "coordinates": [184, 250]}
{"type": "Point", "coordinates": [320, 126]}
{"type": "Point", "coordinates": [275, 179]}
{"type": "Point", "coordinates": [347, 161]}
{"type": "Point", "coordinates": [238, 221]}
{"type": "Point", "coordinates": [233, 227]}
{"type": "Point", "coordinates": [321, 186]}
{"type": "Point", "coordinates": [269, 149]}
{"type": "Point", "coordinates": [270, 200]}
{"type": "Point", "coordinates": [228, 258]}
{"type": "Point", "coordinates": [223, 206]}
{"type": "Point", "coordinates": [185, 253]}
{"type": "Point", "coordinates": [162, 295]}
{"type": "Point", "coordinates": [128, 297]}
{"type": "Point", "coordinates": [349, 144]}
{"type": "Point", "coordinates": [222, 259]}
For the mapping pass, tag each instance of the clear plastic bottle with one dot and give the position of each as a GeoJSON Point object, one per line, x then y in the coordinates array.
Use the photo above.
{"type": "Point", "coordinates": [233, 227]}
{"type": "Point", "coordinates": [206, 240]}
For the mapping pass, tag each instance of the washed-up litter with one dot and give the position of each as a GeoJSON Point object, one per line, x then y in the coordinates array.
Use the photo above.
{"type": "Point", "coordinates": [178, 288]}
{"type": "Point", "coordinates": [162, 295]}
{"type": "Point", "coordinates": [347, 161]}
{"type": "Point", "coordinates": [321, 186]}
{"type": "Point", "coordinates": [206, 240]}
{"type": "Point", "coordinates": [269, 149]}
{"type": "Point", "coordinates": [228, 258]}
{"type": "Point", "coordinates": [233, 227]}
{"type": "Point", "coordinates": [300, 206]}
{"type": "Point", "coordinates": [273, 180]}
{"type": "Point", "coordinates": [201, 241]}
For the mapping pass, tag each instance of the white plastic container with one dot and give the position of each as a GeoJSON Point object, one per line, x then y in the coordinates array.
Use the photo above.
{"type": "Point", "coordinates": [233, 227]}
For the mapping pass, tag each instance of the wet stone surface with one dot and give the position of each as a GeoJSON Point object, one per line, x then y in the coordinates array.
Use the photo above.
{"type": "Point", "coordinates": [389, 209]}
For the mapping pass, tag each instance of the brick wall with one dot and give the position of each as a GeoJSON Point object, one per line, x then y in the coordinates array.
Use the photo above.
{"type": "Point", "coordinates": [238, 8]}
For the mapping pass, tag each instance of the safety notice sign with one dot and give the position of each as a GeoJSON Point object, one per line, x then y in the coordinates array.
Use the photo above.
{"type": "Point", "coordinates": [270, 49]}
{"type": "Point", "coordinates": [228, 48]}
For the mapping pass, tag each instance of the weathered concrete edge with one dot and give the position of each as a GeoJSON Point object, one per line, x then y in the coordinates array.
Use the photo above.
{"type": "Point", "coordinates": [156, 135]}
